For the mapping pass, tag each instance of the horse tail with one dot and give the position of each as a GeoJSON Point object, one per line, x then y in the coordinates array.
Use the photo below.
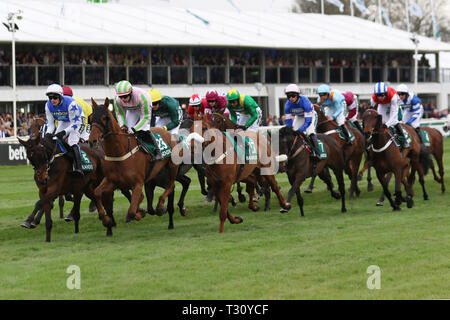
{"type": "Point", "coordinates": [425, 159]}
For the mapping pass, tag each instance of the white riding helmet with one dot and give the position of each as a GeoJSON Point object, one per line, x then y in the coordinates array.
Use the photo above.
{"type": "Point", "coordinates": [54, 89]}
{"type": "Point", "coordinates": [195, 100]}
{"type": "Point", "coordinates": [402, 88]}
{"type": "Point", "coordinates": [292, 88]}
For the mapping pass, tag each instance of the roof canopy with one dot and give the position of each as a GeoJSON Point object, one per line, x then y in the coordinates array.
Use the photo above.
{"type": "Point", "coordinates": [150, 25]}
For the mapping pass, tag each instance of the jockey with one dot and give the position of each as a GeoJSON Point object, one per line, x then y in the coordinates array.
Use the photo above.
{"type": "Point", "coordinates": [69, 115]}
{"type": "Point", "coordinates": [196, 106]}
{"type": "Point", "coordinates": [250, 112]}
{"type": "Point", "coordinates": [216, 103]}
{"type": "Point", "coordinates": [300, 115]}
{"type": "Point", "coordinates": [333, 104]}
{"type": "Point", "coordinates": [166, 113]}
{"type": "Point", "coordinates": [386, 100]}
{"type": "Point", "coordinates": [412, 108]}
{"type": "Point", "coordinates": [352, 107]}
{"type": "Point", "coordinates": [133, 113]}
{"type": "Point", "coordinates": [87, 110]}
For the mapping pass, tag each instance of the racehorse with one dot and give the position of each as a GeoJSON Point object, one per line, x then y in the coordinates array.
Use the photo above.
{"type": "Point", "coordinates": [125, 166]}
{"type": "Point", "coordinates": [387, 158]}
{"type": "Point", "coordinates": [300, 166]}
{"type": "Point", "coordinates": [53, 168]}
{"type": "Point", "coordinates": [352, 153]}
{"type": "Point", "coordinates": [223, 123]}
{"type": "Point", "coordinates": [224, 168]}
{"type": "Point", "coordinates": [436, 148]}
{"type": "Point", "coordinates": [161, 181]}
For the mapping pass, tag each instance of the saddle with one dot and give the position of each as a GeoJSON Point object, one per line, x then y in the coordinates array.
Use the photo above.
{"type": "Point", "coordinates": [66, 150]}
{"type": "Point", "coordinates": [147, 143]}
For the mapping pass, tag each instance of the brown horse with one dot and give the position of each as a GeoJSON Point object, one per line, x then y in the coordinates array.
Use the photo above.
{"type": "Point", "coordinates": [126, 167]}
{"type": "Point", "coordinates": [300, 166]}
{"type": "Point", "coordinates": [387, 157]}
{"type": "Point", "coordinates": [352, 153]}
{"type": "Point", "coordinates": [223, 168]}
{"type": "Point", "coordinates": [53, 169]}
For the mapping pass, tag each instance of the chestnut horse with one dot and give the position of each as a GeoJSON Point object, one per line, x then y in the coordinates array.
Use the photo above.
{"type": "Point", "coordinates": [125, 166]}
{"type": "Point", "coordinates": [352, 153]}
{"type": "Point", "coordinates": [299, 165]}
{"type": "Point", "coordinates": [387, 157]}
{"type": "Point", "coordinates": [224, 168]}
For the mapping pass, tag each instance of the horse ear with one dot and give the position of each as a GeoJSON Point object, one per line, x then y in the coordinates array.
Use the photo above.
{"type": "Point", "coordinates": [107, 102]}
{"type": "Point", "coordinates": [379, 121]}
{"type": "Point", "coordinates": [40, 121]}
{"type": "Point", "coordinates": [22, 142]}
{"type": "Point", "coordinates": [94, 104]}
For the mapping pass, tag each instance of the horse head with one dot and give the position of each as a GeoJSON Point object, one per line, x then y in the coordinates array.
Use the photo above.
{"type": "Point", "coordinates": [35, 128]}
{"type": "Point", "coordinates": [39, 153]}
{"type": "Point", "coordinates": [372, 122]}
{"type": "Point", "coordinates": [102, 122]}
{"type": "Point", "coordinates": [221, 122]}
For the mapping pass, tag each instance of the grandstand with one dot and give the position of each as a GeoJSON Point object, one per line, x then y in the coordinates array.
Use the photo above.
{"type": "Point", "coordinates": [268, 47]}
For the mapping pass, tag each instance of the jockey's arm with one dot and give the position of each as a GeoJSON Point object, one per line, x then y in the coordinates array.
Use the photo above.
{"type": "Point", "coordinates": [393, 113]}
{"type": "Point", "coordinates": [174, 116]}
{"type": "Point", "coordinates": [250, 107]}
{"type": "Point", "coordinates": [308, 118]}
{"type": "Point", "coordinates": [287, 112]}
{"type": "Point", "coordinates": [146, 113]}
{"type": "Point", "coordinates": [75, 117]}
{"type": "Point", "coordinates": [233, 115]}
{"type": "Point", "coordinates": [120, 114]}
{"type": "Point", "coordinates": [339, 105]}
{"type": "Point", "coordinates": [49, 120]}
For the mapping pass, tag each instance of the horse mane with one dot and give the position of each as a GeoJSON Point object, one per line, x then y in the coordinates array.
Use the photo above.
{"type": "Point", "coordinates": [228, 124]}
{"type": "Point", "coordinates": [186, 124]}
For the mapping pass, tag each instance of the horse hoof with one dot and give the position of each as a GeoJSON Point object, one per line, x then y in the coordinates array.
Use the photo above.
{"type": "Point", "coordinates": [240, 220]}
{"type": "Point", "coordinates": [308, 190]}
{"type": "Point", "coordinates": [254, 208]}
{"type": "Point", "coordinates": [337, 196]}
{"type": "Point", "coordinates": [68, 219]}
{"type": "Point", "coordinates": [141, 212]}
{"type": "Point", "coordinates": [107, 222]}
{"type": "Point", "coordinates": [286, 208]}
{"type": "Point", "coordinates": [344, 210]}
{"type": "Point", "coordinates": [170, 227]}
{"type": "Point", "coordinates": [161, 211]}
{"type": "Point", "coordinates": [266, 208]}
{"type": "Point", "coordinates": [241, 198]}
{"type": "Point", "coordinates": [128, 219]}
{"type": "Point", "coordinates": [370, 187]}
{"type": "Point", "coordinates": [137, 217]}
{"type": "Point", "coordinates": [397, 208]}
{"type": "Point", "coordinates": [380, 204]}
{"type": "Point", "coordinates": [204, 192]}
{"type": "Point", "coordinates": [184, 212]}
{"type": "Point", "coordinates": [92, 207]}
{"type": "Point", "coordinates": [410, 203]}
{"type": "Point", "coordinates": [426, 198]}
{"type": "Point", "coordinates": [26, 224]}
{"type": "Point", "coordinates": [151, 212]}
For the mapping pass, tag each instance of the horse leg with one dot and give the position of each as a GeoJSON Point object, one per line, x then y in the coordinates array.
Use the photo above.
{"type": "Point", "coordinates": [285, 205]}
{"type": "Point", "coordinates": [325, 176]}
{"type": "Point", "coordinates": [105, 186]}
{"type": "Point", "coordinates": [61, 206]}
{"type": "Point", "coordinates": [173, 171]}
{"type": "Point", "coordinates": [241, 197]}
{"type": "Point", "coordinates": [170, 208]}
{"type": "Point", "coordinates": [76, 210]}
{"type": "Point", "coordinates": [300, 201]}
{"type": "Point", "coordinates": [370, 186]}
{"type": "Point", "coordinates": [185, 182]}
{"type": "Point", "coordinates": [381, 200]}
{"type": "Point", "coordinates": [149, 193]}
{"type": "Point", "coordinates": [382, 180]}
{"type": "Point", "coordinates": [223, 195]}
{"type": "Point", "coordinates": [339, 174]}
{"type": "Point", "coordinates": [295, 182]}
{"type": "Point", "coordinates": [48, 221]}
{"type": "Point", "coordinates": [201, 178]}
{"type": "Point", "coordinates": [108, 200]}
{"type": "Point", "coordinates": [408, 189]}
{"type": "Point", "coordinates": [438, 158]}
{"type": "Point", "coordinates": [421, 179]}
{"type": "Point", "coordinates": [250, 188]}
{"type": "Point", "coordinates": [136, 197]}
{"type": "Point", "coordinates": [311, 185]}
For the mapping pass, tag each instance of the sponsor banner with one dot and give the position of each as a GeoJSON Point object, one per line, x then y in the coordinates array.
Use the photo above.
{"type": "Point", "coordinates": [12, 154]}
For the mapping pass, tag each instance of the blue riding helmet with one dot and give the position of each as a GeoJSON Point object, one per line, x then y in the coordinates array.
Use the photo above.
{"type": "Point", "coordinates": [380, 88]}
{"type": "Point", "coordinates": [323, 88]}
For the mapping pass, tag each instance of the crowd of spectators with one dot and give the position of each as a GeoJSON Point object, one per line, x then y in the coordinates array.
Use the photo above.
{"type": "Point", "coordinates": [23, 124]}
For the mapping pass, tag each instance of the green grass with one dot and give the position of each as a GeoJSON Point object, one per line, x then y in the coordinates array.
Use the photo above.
{"type": "Point", "coordinates": [323, 255]}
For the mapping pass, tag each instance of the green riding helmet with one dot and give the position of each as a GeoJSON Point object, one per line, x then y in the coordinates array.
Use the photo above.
{"type": "Point", "coordinates": [233, 94]}
{"type": "Point", "coordinates": [123, 88]}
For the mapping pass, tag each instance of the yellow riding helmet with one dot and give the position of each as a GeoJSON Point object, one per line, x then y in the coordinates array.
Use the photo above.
{"type": "Point", "coordinates": [155, 95]}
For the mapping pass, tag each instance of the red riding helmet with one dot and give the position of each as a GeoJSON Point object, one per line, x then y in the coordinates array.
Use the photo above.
{"type": "Point", "coordinates": [67, 91]}
{"type": "Point", "coordinates": [212, 95]}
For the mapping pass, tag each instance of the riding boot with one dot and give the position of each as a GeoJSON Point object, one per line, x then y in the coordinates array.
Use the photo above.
{"type": "Point", "coordinates": [77, 160]}
{"type": "Point", "coordinates": [315, 147]}
{"type": "Point", "coordinates": [346, 134]}
{"type": "Point", "coordinates": [399, 129]}
{"type": "Point", "coordinates": [419, 133]}
{"type": "Point", "coordinates": [358, 126]}
{"type": "Point", "coordinates": [157, 153]}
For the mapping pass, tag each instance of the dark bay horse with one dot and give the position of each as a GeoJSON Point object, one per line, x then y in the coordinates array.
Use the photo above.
{"type": "Point", "coordinates": [387, 157]}
{"type": "Point", "coordinates": [53, 169]}
{"type": "Point", "coordinates": [299, 165]}
{"type": "Point", "coordinates": [223, 167]}
{"type": "Point", "coordinates": [125, 166]}
{"type": "Point", "coordinates": [352, 153]}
